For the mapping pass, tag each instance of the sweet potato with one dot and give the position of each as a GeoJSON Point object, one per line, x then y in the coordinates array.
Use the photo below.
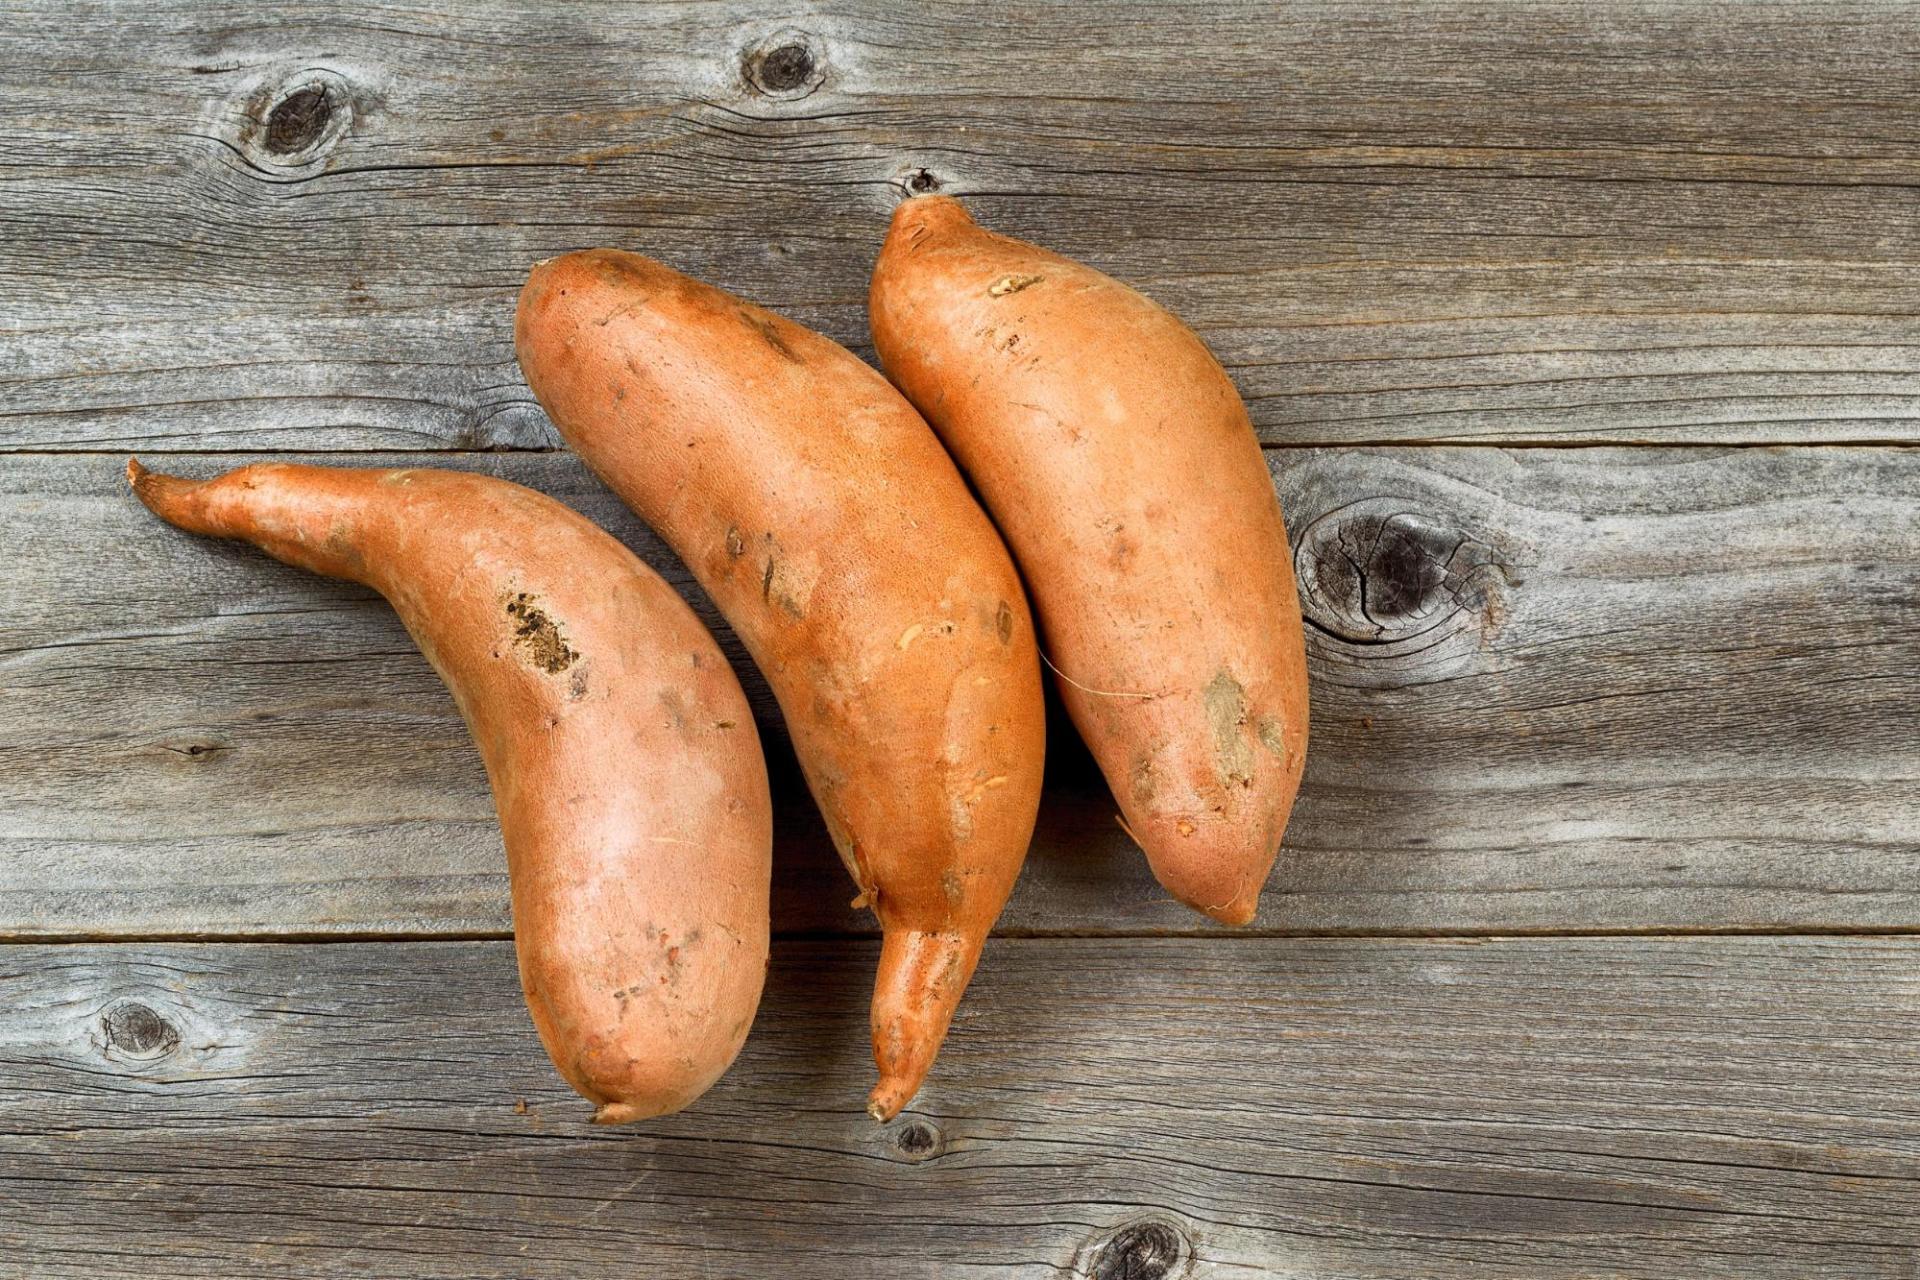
{"type": "Point", "coordinates": [824, 519]}
{"type": "Point", "coordinates": [625, 765]}
{"type": "Point", "coordinates": [1118, 460]}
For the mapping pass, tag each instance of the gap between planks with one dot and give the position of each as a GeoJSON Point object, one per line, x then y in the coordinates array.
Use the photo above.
{"type": "Point", "coordinates": [1891, 933]}
{"type": "Point", "coordinates": [1473, 442]}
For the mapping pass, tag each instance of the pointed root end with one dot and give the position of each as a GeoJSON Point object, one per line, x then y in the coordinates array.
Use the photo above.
{"type": "Point", "coordinates": [1237, 913]}
{"type": "Point", "coordinates": [618, 1113]}
{"type": "Point", "coordinates": [159, 493]}
{"type": "Point", "coordinates": [887, 1098]}
{"type": "Point", "coordinates": [928, 211]}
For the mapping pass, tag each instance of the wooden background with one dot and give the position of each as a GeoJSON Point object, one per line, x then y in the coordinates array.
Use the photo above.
{"type": "Point", "coordinates": [1585, 342]}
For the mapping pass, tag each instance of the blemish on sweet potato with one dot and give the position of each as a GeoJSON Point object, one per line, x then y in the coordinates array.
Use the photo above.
{"type": "Point", "coordinates": [1011, 284]}
{"type": "Point", "coordinates": [625, 308]}
{"type": "Point", "coordinates": [774, 591]}
{"type": "Point", "coordinates": [1003, 623]}
{"type": "Point", "coordinates": [1226, 703]}
{"type": "Point", "coordinates": [538, 635]}
{"type": "Point", "coordinates": [1142, 781]}
{"type": "Point", "coordinates": [620, 271]}
{"type": "Point", "coordinates": [768, 328]}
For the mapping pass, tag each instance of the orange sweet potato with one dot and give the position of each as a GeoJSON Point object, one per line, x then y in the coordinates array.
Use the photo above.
{"type": "Point", "coordinates": [824, 519]}
{"type": "Point", "coordinates": [625, 765]}
{"type": "Point", "coordinates": [1118, 460]}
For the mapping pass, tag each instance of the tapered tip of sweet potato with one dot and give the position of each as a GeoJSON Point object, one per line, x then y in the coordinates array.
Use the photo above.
{"type": "Point", "coordinates": [143, 482]}
{"type": "Point", "coordinates": [1237, 913]}
{"type": "Point", "coordinates": [163, 495]}
{"type": "Point", "coordinates": [921, 214]}
{"type": "Point", "coordinates": [619, 1113]}
{"type": "Point", "coordinates": [922, 975]}
{"type": "Point", "coordinates": [1217, 869]}
{"type": "Point", "coordinates": [1232, 898]}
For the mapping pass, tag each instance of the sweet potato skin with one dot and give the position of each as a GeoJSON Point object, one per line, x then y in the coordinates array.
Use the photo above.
{"type": "Point", "coordinates": [827, 523]}
{"type": "Point", "coordinates": [625, 765]}
{"type": "Point", "coordinates": [1118, 460]}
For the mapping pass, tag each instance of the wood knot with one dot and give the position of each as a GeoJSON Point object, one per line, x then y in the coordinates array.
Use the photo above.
{"type": "Point", "coordinates": [1149, 1249]}
{"type": "Point", "coordinates": [295, 121]}
{"type": "Point", "coordinates": [917, 1141]}
{"type": "Point", "coordinates": [1379, 572]}
{"type": "Point", "coordinates": [136, 1031]}
{"type": "Point", "coordinates": [785, 69]}
{"type": "Point", "coordinates": [787, 65]}
{"type": "Point", "coordinates": [195, 749]}
{"type": "Point", "coordinates": [921, 182]}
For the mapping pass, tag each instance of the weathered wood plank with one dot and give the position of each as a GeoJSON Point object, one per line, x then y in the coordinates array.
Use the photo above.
{"type": "Point", "coordinates": [1567, 1107]}
{"type": "Point", "coordinates": [1586, 689]}
{"type": "Point", "coordinates": [301, 226]}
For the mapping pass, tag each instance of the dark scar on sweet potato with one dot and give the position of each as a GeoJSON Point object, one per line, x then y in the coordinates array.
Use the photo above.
{"type": "Point", "coordinates": [539, 635]}
{"type": "Point", "coordinates": [616, 269]}
{"type": "Point", "coordinates": [769, 329]}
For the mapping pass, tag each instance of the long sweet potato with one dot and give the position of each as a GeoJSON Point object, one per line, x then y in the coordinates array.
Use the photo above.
{"type": "Point", "coordinates": [625, 765]}
{"type": "Point", "coordinates": [1118, 460]}
{"type": "Point", "coordinates": [824, 519]}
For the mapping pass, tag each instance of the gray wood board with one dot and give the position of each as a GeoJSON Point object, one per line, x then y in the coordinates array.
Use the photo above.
{"type": "Point", "coordinates": [1554, 690]}
{"type": "Point", "coordinates": [302, 226]}
{"type": "Point", "coordinates": [1708, 1107]}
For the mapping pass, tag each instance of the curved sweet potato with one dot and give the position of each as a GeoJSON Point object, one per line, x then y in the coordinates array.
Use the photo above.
{"type": "Point", "coordinates": [625, 764]}
{"type": "Point", "coordinates": [828, 525]}
{"type": "Point", "coordinates": [1119, 462]}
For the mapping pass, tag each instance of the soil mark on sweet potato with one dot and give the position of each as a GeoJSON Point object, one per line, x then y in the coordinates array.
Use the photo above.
{"type": "Point", "coordinates": [539, 635]}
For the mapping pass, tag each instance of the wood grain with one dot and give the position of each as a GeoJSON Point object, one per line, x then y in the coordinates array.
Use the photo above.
{"type": "Point", "coordinates": [1554, 689]}
{"type": "Point", "coordinates": [1548, 1108]}
{"type": "Point", "coordinates": [301, 226]}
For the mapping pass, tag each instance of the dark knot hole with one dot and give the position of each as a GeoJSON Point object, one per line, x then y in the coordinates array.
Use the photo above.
{"type": "Point", "coordinates": [1143, 1251]}
{"type": "Point", "coordinates": [135, 1029]}
{"type": "Point", "coordinates": [787, 68]}
{"type": "Point", "coordinates": [298, 120]}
